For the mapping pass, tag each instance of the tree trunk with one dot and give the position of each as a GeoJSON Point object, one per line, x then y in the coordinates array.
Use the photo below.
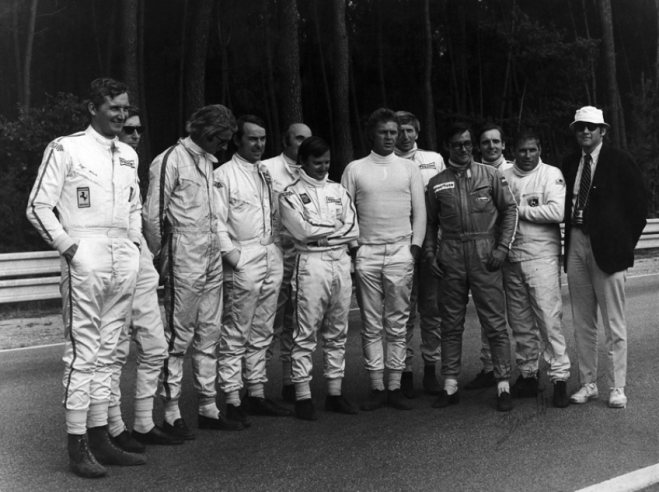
{"type": "Point", "coordinates": [593, 76]}
{"type": "Point", "coordinates": [462, 55]}
{"type": "Point", "coordinates": [341, 86]}
{"type": "Point", "coordinates": [110, 45]}
{"type": "Point", "coordinates": [290, 85]}
{"type": "Point", "coordinates": [225, 99]}
{"type": "Point", "coordinates": [129, 52]}
{"type": "Point", "coordinates": [27, 65]}
{"type": "Point", "coordinates": [576, 37]}
{"type": "Point", "coordinates": [17, 51]}
{"type": "Point", "coordinates": [181, 70]}
{"type": "Point", "coordinates": [195, 73]}
{"type": "Point", "coordinates": [383, 89]}
{"type": "Point", "coordinates": [270, 90]}
{"type": "Point", "coordinates": [606, 19]}
{"type": "Point", "coordinates": [323, 72]}
{"type": "Point", "coordinates": [355, 108]}
{"type": "Point", "coordinates": [145, 155]}
{"type": "Point", "coordinates": [656, 63]}
{"type": "Point", "coordinates": [429, 132]}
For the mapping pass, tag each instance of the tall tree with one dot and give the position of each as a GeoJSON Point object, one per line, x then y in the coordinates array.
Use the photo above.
{"type": "Point", "coordinates": [130, 48]}
{"type": "Point", "coordinates": [321, 61]}
{"type": "Point", "coordinates": [341, 85]}
{"type": "Point", "coordinates": [290, 85]}
{"type": "Point", "coordinates": [195, 68]}
{"type": "Point", "coordinates": [269, 89]}
{"type": "Point", "coordinates": [606, 18]}
{"type": "Point", "coordinates": [431, 140]}
{"type": "Point", "coordinates": [27, 65]}
{"type": "Point", "coordinates": [656, 61]}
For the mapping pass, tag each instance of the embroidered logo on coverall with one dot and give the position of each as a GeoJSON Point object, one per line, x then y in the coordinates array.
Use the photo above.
{"type": "Point", "coordinates": [444, 186]}
{"type": "Point", "coordinates": [84, 200]}
{"type": "Point", "coordinates": [305, 199]}
{"type": "Point", "coordinates": [126, 162]}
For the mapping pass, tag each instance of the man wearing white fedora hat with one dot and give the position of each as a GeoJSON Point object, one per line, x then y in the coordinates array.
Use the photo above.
{"type": "Point", "coordinates": [605, 210]}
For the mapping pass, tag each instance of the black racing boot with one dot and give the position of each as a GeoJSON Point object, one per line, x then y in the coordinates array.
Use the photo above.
{"type": "Point", "coordinates": [444, 399]}
{"type": "Point", "coordinates": [504, 402]}
{"type": "Point", "coordinates": [525, 387]}
{"type": "Point", "coordinates": [482, 380]}
{"type": "Point", "coordinates": [126, 442]}
{"type": "Point", "coordinates": [178, 429]}
{"type": "Point", "coordinates": [407, 384]}
{"type": "Point", "coordinates": [560, 398]}
{"type": "Point", "coordinates": [262, 406]}
{"type": "Point", "coordinates": [375, 400]}
{"type": "Point", "coordinates": [430, 383]}
{"type": "Point", "coordinates": [304, 410]}
{"type": "Point", "coordinates": [339, 404]}
{"type": "Point", "coordinates": [288, 393]}
{"type": "Point", "coordinates": [81, 460]}
{"type": "Point", "coordinates": [238, 414]}
{"type": "Point", "coordinates": [396, 399]}
{"type": "Point", "coordinates": [107, 452]}
{"type": "Point", "coordinates": [220, 423]}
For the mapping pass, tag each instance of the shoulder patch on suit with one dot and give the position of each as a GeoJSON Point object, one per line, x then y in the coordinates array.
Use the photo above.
{"type": "Point", "coordinates": [443, 186]}
{"type": "Point", "coordinates": [57, 146]}
{"type": "Point", "coordinates": [305, 198]}
{"type": "Point", "coordinates": [503, 180]}
{"type": "Point", "coordinates": [560, 182]}
{"type": "Point", "coordinates": [218, 184]}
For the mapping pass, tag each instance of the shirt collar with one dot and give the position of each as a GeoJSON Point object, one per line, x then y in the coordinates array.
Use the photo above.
{"type": "Point", "coordinates": [189, 144]}
{"type": "Point", "coordinates": [100, 139]}
{"type": "Point", "coordinates": [595, 154]}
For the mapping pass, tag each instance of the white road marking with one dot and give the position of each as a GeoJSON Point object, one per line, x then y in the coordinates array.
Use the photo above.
{"type": "Point", "coordinates": [352, 311]}
{"type": "Point", "coordinates": [629, 482]}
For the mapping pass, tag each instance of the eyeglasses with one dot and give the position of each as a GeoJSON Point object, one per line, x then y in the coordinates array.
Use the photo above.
{"type": "Point", "coordinates": [129, 130]}
{"type": "Point", "coordinates": [458, 145]}
{"type": "Point", "coordinates": [582, 125]}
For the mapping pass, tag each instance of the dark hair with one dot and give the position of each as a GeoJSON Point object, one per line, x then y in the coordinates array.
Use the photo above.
{"type": "Point", "coordinates": [407, 118]}
{"type": "Point", "coordinates": [132, 111]}
{"type": "Point", "coordinates": [312, 146]}
{"type": "Point", "coordinates": [210, 120]}
{"type": "Point", "coordinates": [382, 115]}
{"type": "Point", "coordinates": [248, 118]}
{"type": "Point", "coordinates": [102, 87]}
{"type": "Point", "coordinates": [526, 134]}
{"type": "Point", "coordinates": [457, 129]}
{"type": "Point", "coordinates": [489, 127]}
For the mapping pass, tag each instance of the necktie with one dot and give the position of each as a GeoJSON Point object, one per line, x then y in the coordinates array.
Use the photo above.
{"type": "Point", "coordinates": [584, 191]}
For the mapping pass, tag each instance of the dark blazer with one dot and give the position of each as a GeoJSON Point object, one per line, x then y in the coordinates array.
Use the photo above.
{"type": "Point", "coordinates": [618, 207]}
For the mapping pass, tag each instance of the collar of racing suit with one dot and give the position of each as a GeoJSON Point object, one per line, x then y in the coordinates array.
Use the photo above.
{"type": "Point", "coordinates": [382, 159]}
{"type": "Point", "coordinates": [521, 173]}
{"type": "Point", "coordinates": [406, 155]}
{"type": "Point", "coordinates": [496, 164]}
{"type": "Point", "coordinates": [459, 167]}
{"type": "Point", "coordinates": [291, 164]}
{"type": "Point", "coordinates": [316, 183]}
{"type": "Point", "coordinates": [193, 148]}
{"type": "Point", "coordinates": [108, 143]}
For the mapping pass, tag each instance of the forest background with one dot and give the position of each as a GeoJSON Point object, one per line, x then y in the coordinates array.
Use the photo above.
{"type": "Point", "coordinates": [329, 63]}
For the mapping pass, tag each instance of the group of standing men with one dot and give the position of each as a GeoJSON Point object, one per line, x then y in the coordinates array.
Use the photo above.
{"type": "Point", "coordinates": [258, 248]}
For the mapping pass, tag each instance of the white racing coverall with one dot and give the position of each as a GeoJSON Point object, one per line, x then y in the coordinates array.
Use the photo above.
{"type": "Point", "coordinates": [252, 284]}
{"type": "Point", "coordinates": [531, 274]}
{"type": "Point", "coordinates": [322, 219]}
{"type": "Point", "coordinates": [181, 227]}
{"type": "Point", "coordinates": [145, 324]}
{"type": "Point", "coordinates": [425, 287]}
{"type": "Point", "coordinates": [388, 196]}
{"type": "Point", "coordinates": [283, 172]}
{"type": "Point", "coordinates": [92, 181]}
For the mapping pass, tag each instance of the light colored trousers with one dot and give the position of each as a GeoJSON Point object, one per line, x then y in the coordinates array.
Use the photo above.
{"type": "Point", "coordinates": [385, 273]}
{"type": "Point", "coordinates": [591, 287]}
{"type": "Point", "coordinates": [535, 314]}
{"type": "Point", "coordinates": [425, 291]}
{"type": "Point", "coordinates": [322, 289]}
{"type": "Point", "coordinates": [97, 289]}
{"type": "Point", "coordinates": [145, 324]}
{"type": "Point", "coordinates": [250, 303]}
{"type": "Point", "coordinates": [283, 328]}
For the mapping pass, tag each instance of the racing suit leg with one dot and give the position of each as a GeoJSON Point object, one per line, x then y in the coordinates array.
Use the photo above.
{"type": "Point", "coordinates": [207, 331]}
{"type": "Point", "coordinates": [97, 288]}
{"type": "Point", "coordinates": [409, 327]}
{"type": "Point", "coordinates": [453, 298]}
{"type": "Point", "coordinates": [185, 278]}
{"type": "Point", "coordinates": [487, 292]}
{"type": "Point", "coordinates": [543, 279]}
{"type": "Point", "coordinates": [431, 322]}
{"type": "Point", "coordinates": [283, 327]}
{"type": "Point", "coordinates": [521, 318]}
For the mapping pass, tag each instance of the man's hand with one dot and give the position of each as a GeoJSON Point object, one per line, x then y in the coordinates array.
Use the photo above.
{"type": "Point", "coordinates": [495, 260]}
{"type": "Point", "coordinates": [416, 252]}
{"type": "Point", "coordinates": [70, 253]}
{"type": "Point", "coordinates": [337, 224]}
{"type": "Point", "coordinates": [233, 257]}
{"type": "Point", "coordinates": [433, 264]}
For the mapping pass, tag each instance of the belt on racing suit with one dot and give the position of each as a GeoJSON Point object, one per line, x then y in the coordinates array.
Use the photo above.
{"type": "Point", "coordinates": [97, 232]}
{"type": "Point", "coordinates": [263, 241]}
{"type": "Point", "coordinates": [467, 236]}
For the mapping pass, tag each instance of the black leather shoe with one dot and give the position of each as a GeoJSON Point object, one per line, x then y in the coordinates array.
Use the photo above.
{"type": "Point", "coordinates": [81, 460]}
{"type": "Point", "coordinates": [238, 414]}
{"type": "Point", "coordinates": [178, 429]}
{"type": "Point", "coordinates": [560, 398]}
{"type": "Point", "coordinates": [482, 380]}
{"type": "Point", "coordinates": [304, 410]}
{"type": "Point", "coordinates": [444, 399]}
{"type": "Point", "coordinates": [407, 384]}
{"type": "Point", "coordinates": [157, 436]}
{"type": "Point", "coordinates": [430, 383]}
{"type": "Point", "coordinates": [127, 443]}
{"type": "Point", "coordinates": [339, 404]}
{"type": "Point", "coordinates": [220, 423]}
{"type": "Point", "coordinates": [504, 402]}
{"type": "Point", "coordinates": [107, 452]}
{"type": "Point", "coordinates": [524, 387]}
{"type": "Point", "coordinates": [288, 393]}
{"type": "Point", "coordinates": [262, 406]}
{"type": "Point", "coordinates": [396, 399]}
{"type": "Point", "coordinates": [375, 400]}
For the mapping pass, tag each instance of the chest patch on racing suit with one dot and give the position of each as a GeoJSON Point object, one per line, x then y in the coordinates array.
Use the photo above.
{"type": "Point", "coordinates": [84, 200]}
{"type": "Point", "coordinates": [126, 162]}
{"type": "Point", "coordinates": [331, 199]}
{"type": "Point", "coordinates": [533, 201]}
{"type": "Point", "coordinates": [305, 198]}
{"type": "Point", "coordinates": [427, 166]}
{"type": "Point", "coordinates": [444, 186]}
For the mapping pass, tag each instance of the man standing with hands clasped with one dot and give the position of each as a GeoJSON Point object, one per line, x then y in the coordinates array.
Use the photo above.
{"type": "Point", "coordinates": [605, 213]}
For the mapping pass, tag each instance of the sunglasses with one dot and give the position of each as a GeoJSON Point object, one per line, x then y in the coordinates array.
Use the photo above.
{"type": "Point", "coordinates": [581, 126]}
{"type": "Point", "coordinates": [129, 130]}
{"type": "Point", "coordinates": [458, 145]}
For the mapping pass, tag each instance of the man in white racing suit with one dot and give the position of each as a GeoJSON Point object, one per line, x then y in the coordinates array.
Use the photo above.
{"type": "Point", "coordinates": [253, 273]}
{"type": "Point", "coordinates": [181, 226]}
{"type": "Point", "coordinates": [322, 220]}
{"type": "Point", "coordinates": [424, 289]}
{"type": "Point", "coordinates": [284, 170]}
{"type": "Point", "coordinates": [91, 178]}
{"type": "Point", "coordinates": [531, 273]}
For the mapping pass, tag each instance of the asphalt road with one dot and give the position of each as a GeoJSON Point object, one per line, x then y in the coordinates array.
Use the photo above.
{"type": "Point", "coordinates": [468, 447]}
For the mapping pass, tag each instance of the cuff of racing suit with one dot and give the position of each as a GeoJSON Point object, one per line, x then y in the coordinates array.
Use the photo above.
{"type": "Point", "coordinates": [135, 237]}
{"type": "Point", "coordinates": [63, 242]}
{"type": "Point", "coordinates": [503, 248]}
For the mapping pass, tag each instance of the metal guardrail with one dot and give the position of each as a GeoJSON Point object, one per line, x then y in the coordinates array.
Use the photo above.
{"type": "Point", "coordinates": [32, 276]}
